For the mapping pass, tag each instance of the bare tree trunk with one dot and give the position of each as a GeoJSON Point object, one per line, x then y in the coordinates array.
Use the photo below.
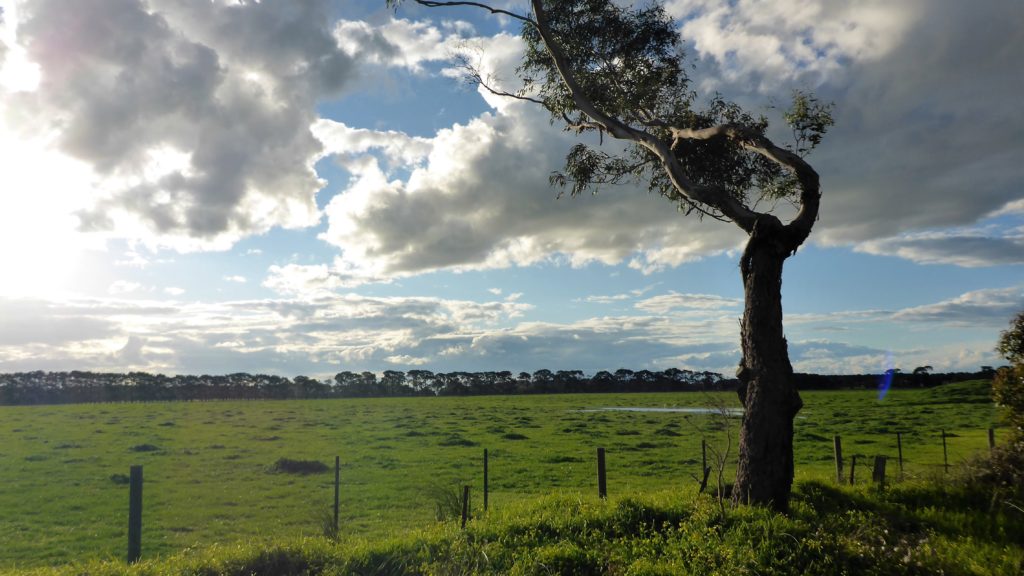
{"type": "Point", "coordinates": [764, 475]}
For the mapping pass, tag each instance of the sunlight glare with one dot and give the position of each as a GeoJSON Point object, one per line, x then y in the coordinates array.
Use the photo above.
{"type": "Point", "coordinates": [40, 246]}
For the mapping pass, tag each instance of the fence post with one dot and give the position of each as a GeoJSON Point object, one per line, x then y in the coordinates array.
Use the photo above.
{"type": "Point", "coordinates": [991, 439]}
{"type": "Point", "coordinates": [878, 474]}
{"type": "Point", "coordinates": [465, 505]}
{"type": "Point", "coordinates": [945, 454]}
{"type": "Point", "coordinates": [337, 486]}
{"type": "Point", "coordinates": [485, 480]}
{"type": "Point", "coordinates": [853, 470]}
{"type": "Point", "coordinates": [602, 479]}
{"type": "Point", "coordinates": [837, 444]}
{"type": "Point", "coordinates": [704, 469]}
{"type": "Point", "coordinates": [899, 451]}
{"type": "Point", "coordinates": [135, 515]}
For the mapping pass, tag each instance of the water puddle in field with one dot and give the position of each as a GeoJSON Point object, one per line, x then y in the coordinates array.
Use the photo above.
{"type": "Point", "coordinates": [692, 410]}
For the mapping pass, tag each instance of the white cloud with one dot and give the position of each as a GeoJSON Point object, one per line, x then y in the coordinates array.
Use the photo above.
{"type": "Point", "coordinates": [401, 43]}
{"type": "Point", "coordinates": [400, 149]}
{"type": "Point", "coordinates": [236, 278]}
{"type": "Point", "coordinates": [210, 139]}
{"type": "Point", "coordinates": [775, 43]}
{"type": "Point", "coordinates": [322, 330]}
{"type": "Point", "coordinates": [174, 291]}
{"type": "Point", "coordinates": [666, 303]}
{"type": "Point", "coordinates": [302, 280]}
{"type": "Point", "coordinates": [481, 200]}
{"type": "Point", "coordinates": [992, 306]}
{"type": "Point", "coordinates": [123, 287]}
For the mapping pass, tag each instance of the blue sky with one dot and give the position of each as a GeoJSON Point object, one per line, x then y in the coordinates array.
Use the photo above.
{"type": "Point", "coordinates": [307, 187]}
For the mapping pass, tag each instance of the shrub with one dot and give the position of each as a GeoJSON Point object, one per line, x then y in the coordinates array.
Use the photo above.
{"type": "Point", "coordinates": [289, 466]}
{"type": "Point", "coordinates": [447, 500]}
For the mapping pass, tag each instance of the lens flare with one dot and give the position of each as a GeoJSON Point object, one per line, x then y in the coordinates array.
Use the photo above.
{"type": "Point", "coordinates": [885, 380]}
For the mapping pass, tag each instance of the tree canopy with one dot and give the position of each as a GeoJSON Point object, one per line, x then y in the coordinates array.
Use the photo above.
{"type": "Point", "coordinates": [600, 67]}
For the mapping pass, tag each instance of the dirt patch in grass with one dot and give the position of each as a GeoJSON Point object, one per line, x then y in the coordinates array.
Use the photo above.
{"type": "Point", "coordinates": [456, 440]}
{"type": "Point", "coordinates": [144, 448]}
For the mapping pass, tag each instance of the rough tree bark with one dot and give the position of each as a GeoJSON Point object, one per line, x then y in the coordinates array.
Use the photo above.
{"type": "Point", "coordinates": [765, 470]}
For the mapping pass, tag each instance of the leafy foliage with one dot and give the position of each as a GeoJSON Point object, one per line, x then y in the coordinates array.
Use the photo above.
{"type": "Point", "coordinates": [1011, 342]}
{"type": "Point", "coordinates": [631, 64]}
{"type": "Point", "coordinates": [1008, 384]}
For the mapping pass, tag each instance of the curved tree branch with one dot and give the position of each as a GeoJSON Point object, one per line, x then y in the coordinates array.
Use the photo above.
{"type": "Point", "coordinates": [714, 196]}
{"type": "Point", "coordinates": [800, 227]}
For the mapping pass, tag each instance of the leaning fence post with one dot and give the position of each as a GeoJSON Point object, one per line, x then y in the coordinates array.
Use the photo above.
{"type": "Point", "coordinates": [485, 480]}
{"type": "Point", "coordinates": [899, 451]}
{"type": "Point", "coordinates": [853, 469]}
{"type": "Point", "coordinates": [337, 485]}
{"type": "Point", "coordinates": [465, 505]}
{"type": "Point", "coordinates": [837, 444]}
{"type": "Point", "coordinates": [135, 515]}
{"type": "Point", "coordinates": [945, 454]}
{"type": "Point", "coordinates": [602, 479]}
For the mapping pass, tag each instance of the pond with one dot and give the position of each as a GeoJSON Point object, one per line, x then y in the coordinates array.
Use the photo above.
{"type": "Point", "coordinates": [689, 410]}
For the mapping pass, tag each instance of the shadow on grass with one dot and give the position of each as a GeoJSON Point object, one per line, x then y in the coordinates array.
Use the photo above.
{"type": "Point", "coordinates": [946, 508]}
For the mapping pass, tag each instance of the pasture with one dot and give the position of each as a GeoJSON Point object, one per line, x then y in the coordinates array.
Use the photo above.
{"type": "Point", "coordinates": [209, 475]}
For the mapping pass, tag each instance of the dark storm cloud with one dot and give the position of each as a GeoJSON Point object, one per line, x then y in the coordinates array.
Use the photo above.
{"type": "Point", "coordinates": [40, 322]}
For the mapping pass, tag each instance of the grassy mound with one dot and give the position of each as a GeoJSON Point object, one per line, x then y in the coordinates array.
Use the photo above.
{"type": "Point", "coordinates": [970, 392]}
{"type": "Point", "coordinates": [911, 529]}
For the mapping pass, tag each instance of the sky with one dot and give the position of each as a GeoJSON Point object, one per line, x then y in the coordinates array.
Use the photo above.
{"type": "Point", "coordinates": [306, 187]}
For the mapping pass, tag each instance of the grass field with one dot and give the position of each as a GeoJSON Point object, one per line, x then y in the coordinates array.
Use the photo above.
{"type": "Point", "coordinates": [209, 476]}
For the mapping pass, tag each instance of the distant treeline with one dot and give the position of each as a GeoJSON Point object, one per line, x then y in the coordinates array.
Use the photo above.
{"type": "Point", "coordinates": [74, 387]}
{"type": "Point", "coordinates": [80, 387]}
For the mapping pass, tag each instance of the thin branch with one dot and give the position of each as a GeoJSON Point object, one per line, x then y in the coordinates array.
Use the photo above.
{"type": "Point", "coordinates": [491, 9]}
{"type": "Point", "coordinates": [497, 92]}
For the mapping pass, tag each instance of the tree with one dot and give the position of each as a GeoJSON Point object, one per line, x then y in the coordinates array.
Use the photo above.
{"type": "Point", "coordinates": [1008, 384]}
{"type": "Point", "coordinates": [922, 375]}
{"type": "Point", "coordinates": [603, 69]}
{"type": "Point", "coordinates": [1011, 341]}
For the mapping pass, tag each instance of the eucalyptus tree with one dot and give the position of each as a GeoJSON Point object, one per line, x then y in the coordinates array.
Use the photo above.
{"type": "Point", "coordinates": [619, 71]}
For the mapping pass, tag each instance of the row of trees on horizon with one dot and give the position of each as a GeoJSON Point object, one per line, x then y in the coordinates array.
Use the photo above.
{"type": "Point", "coordinates": [39, 387]}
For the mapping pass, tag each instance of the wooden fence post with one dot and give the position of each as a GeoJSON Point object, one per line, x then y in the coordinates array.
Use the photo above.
{"type": "Point", "coordinates": [899, 451]}
{"type": "Point", "coordinates": [945, 454]}
{"type": "Point", "coordinates": [853, 470]}
{"type": "Point", "coordinates": [837, 444]}
{"type": "Point", "coordinates": [485, 480]}
{"type": "Point", "coordinates": [878, 473]}
{"type": "Point", "coordinates": [135, 515]}
{"type": "Point", "coordinates": [705, 470]}
{"type": "Point", "coordinates": [991, 439]}
{"type": "Point", "coordinates": [602, 479]}
{"type": "Point", "coordinates": [337, 488]}
{"type": "Point", "coordinates": [465, 505]}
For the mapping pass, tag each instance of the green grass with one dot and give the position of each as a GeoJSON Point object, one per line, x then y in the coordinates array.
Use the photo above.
{"type": "Point", "coordinates": [210, 475]}
{"type": "Point", "coordinates": [829, 531]}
